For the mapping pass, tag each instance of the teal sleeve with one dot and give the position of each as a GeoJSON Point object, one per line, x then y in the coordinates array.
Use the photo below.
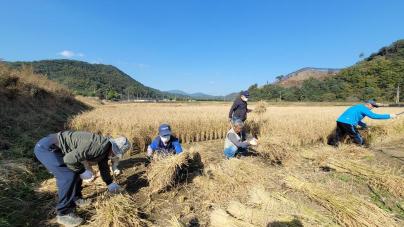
{"type": "Point", "coordinates": [372, 115]}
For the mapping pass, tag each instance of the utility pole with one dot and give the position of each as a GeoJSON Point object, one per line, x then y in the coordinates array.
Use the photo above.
{"type": "Point", "coordinates": [398, 94]}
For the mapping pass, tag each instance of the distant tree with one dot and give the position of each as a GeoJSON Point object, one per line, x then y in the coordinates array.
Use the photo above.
{"type": "Point", "coordinates": [280, 77]}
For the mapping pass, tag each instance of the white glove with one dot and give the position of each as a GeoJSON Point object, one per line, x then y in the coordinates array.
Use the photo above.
{"type": "Point", "coordinates": [254, 142]}
{"type": "Point", "coordinates": [392, 116]}
{"type": "Point", "coordinates": [87, 176]}
{"type": "Point", "coordinates": [114, 188]}
{"type": "Point", "coordinates": [117, 172]}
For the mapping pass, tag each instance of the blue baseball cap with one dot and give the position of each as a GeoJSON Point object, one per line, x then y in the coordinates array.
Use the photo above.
{"type": "Point", "coordinates": [373, 103]}
{"type": "Point", "coordinates": [165, 130]}
{"type": "Point", "coordinates": [245, 94]}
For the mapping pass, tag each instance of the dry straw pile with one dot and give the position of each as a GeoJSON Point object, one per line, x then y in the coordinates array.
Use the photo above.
{"type": "Point", "coordinates": [348, 210]}
{"type": "Point", "coordinates": [230, 179]}
{"type": "Point", "coordinates": [117, 211]}
{"type": "Point", "coordinates": [274, 149]}
{"type": "Point", "coordinates": [376, 175]}
{"type": "Point", "coordinates": [220, 218]}
{"type": "Point", "coordinates": [165, 171]}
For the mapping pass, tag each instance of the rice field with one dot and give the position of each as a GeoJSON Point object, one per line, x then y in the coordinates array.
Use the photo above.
{"type": "Point", "coordinates": [292, 179]}
{"type": "Point", "coordinates": [294, 125]}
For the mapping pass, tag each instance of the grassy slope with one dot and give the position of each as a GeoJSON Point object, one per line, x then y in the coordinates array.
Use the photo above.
{"type": "Point", "coordinates": [31, 108]}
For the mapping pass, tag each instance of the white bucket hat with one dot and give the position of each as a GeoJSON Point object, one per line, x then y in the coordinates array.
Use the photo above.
{"type": "Point", "coordinates": [120, 145]}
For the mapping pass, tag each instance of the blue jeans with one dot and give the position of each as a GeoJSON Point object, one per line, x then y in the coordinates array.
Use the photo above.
{"type": "Point", "coordinates": [232, 151]}
{"type": "Point", "coordinates": [67, 181]}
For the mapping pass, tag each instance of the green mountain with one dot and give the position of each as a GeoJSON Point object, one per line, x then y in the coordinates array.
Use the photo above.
{"type": "Point", "coordinates": [377, 76]}
{"type": "Point", "coordinates": [105, 81]}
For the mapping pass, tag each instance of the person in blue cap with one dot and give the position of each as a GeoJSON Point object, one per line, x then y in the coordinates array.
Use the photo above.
{"type": "Point", "coordinates": [165, 143]}
{"type": "Point", "coordinates": [239, 108]}
{"type": "Point", "coordinates": [352, 117]}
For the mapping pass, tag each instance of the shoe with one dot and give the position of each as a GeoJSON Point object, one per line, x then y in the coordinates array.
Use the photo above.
{"type": "Point", "coordinates": [83, 202]}
{"type": "Point", "coordinates": [69, 220]}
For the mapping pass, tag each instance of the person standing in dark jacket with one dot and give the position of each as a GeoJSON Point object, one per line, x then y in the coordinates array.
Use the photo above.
{"type": "Point", "coordinates": [239, 108]}
{"type": "Point", "coordinates": [64, 153]}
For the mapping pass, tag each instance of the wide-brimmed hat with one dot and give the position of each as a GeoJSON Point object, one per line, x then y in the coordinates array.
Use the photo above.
{"type": "Point", "coordinates": [120, 145]}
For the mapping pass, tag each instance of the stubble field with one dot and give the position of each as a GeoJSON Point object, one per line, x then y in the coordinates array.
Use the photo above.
{"type": "Point", "coordinates": [292, 178]}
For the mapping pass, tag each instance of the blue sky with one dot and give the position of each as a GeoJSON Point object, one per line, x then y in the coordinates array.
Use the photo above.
{"type": "Point", "coordinates": [212, 46]}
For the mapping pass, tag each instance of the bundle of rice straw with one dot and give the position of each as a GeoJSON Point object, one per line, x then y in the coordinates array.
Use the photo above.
{"type": "Point", "coordinates": [220, 218]}
{"type": "Point", "coordinates": [164, 172]}
{"type": "Point", "coordinates": [376, 176]}
{"type": "Point", "coordinates": [116, 211]}
{"type": "Point", "coordinates": [348, 210]}
{"type": "Point", "coordinates": [274, 149]}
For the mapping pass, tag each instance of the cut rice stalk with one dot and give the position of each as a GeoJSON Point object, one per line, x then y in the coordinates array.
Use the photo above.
{"type": "Point", "coordinates": [348, 210]}
{"type": "Point", "coordinates": [116, 211]}
{"type": "Point", "coordinates": [220, 218]}
{"type": "Point", "coordinates": [375, 176]}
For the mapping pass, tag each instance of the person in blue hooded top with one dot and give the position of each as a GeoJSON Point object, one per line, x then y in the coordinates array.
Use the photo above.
{"type": "Point", "coordinates": [352, 117]}
{"type": "Point", "coordinates": [165, 143]}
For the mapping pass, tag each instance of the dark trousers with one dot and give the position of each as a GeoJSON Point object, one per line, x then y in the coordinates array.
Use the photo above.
{"type": "Point", "coordinates": [68, 182]}
{"type": "Point", "coordinates": [346, 129]}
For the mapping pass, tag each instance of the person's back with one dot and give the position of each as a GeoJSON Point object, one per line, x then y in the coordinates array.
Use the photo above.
{"type": "Point", "coordinates": [354, 115]}
{"type": "Point", "coordinates": [348, 121]}
{"type": "Point", "coordinates": [84, 141]}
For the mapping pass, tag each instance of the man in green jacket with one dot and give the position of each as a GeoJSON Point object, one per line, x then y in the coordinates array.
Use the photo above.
{"type": "Point", "coordinates": [63, 155]}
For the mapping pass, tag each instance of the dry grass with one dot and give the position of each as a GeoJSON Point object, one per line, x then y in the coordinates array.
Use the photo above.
{"type": "Point", "coordinates": [348, 210]}
{"type": "Point", "coordinates": [174, 222]}
{"type": "Point", "coordinates": [164, 172]}
{"type": "Point", "coordinates": [376, 175]}
{"type": "Point", "coordinates": [116, 211]}
{"type": "Point", "coordinates": [15, 172]}
{"type": "Point", "coordinates": [230, 178]}
{"type": "Point", "coordinates": [277, 205]}
{"type": "Point", "coordinates": [220, 218]}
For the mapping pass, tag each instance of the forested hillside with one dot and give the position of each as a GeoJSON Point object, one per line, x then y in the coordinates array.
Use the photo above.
{"type": "Point", "coordinates": [104, 81]}
{"type": "Point", "coordinates": [375, 77]}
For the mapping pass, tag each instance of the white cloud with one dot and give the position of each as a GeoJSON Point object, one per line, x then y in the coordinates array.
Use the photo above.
{"type": "Point", "coordinates": [141, 66]}
{"type": "Point", "coordinates": [70, 54]}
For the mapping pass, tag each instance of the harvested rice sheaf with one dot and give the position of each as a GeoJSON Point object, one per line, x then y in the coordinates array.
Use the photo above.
{"type": "Point", "coordinates": [117, 211]}
{"type": "Point", "coordinates": [348, 210]}
{"type": "Point", "coordinates": [165, 172]}
{"type": "Point", "coordinates": [377, 177]}
{"type": "Point", "coordinates": [275, 150]}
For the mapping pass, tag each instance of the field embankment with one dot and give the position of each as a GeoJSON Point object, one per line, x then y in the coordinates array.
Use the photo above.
{"type": "Point", "coordinates": [31, 108]}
